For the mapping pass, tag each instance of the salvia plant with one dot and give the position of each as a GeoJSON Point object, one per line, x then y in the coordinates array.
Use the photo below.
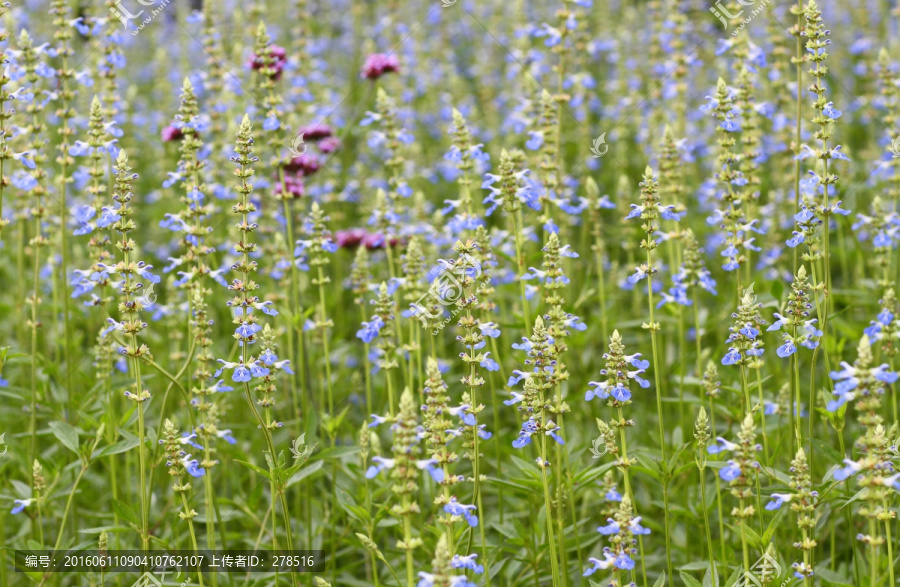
{"type": "Point", "coordinates": [332, 279]}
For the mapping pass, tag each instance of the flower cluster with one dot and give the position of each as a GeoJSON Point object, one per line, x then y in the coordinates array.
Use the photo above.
{"type": "Point", "coordinates": [621, 529]}
{"type": "Point", "coordinates": [739, 469]}
{"type": "Point", "coordinates": [511, 186]}
{"type": "Point", "coordinates": [885, 329]}
{"type": "Point", "coordinates": [533, 401]}
{"type": "Point", "coordinates": [691, 274]}
{"type": "Point", "coordinates": [803, 330]}
{"type": "Point", "coordinates": [620, 370]}
{"type": "Point", "coordinates": [745, 344]}
{"type": "Point", "coordinates": [803, 503]}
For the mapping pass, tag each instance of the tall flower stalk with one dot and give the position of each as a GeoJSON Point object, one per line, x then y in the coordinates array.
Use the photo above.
{"type": "Point", "coordinates": [701, 435]}
{"type": "Point", "coordinates": [180, 464]}
{"type": "Point", "coordinates": [39, 213]}
{"type": "Point", "coordinates": [559, 322]}
{"type": "Point", "coordinates": [130, 306]}
{"type": "Point", "coordinates": [473, 337]}
{"type": "Point", "coordinates": [244, 302]}
{"type": "Point", "coordinates": [803, 503]}
{"type": "Point", "coordinates": [863, 384]}
{"type": "Point", "coordinates": [534, 406]}
{"type": "Point", "coordinates": [619, 373]}
{"type": "Point", "coordinates": [318, 246]}
{"type": "Point", "coordinates": [510, 187]}
{"type": "Point", "coordinates": [737, 474]}
{"type": "Point", "coordinates": [649, 211]}
{"type": "Point", "coordinates": [60, 11]}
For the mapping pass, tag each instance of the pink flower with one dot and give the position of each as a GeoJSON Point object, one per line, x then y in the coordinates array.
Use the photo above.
{"type": "Point", "coordinates": [354, 237]}
{"type": "Point", "coordinates": [350, 239]}
{"type": "Point", "coordinates": [278, 56]}
{"type": "Point", "coordinates": [330, 145]}
{"type": "Point", "coordinates": [293, 184]}
{"type": "Point", "coordinates": [379, 64]}
{"type": "Point", "coordinates": [171, 133]}
{"type": "Point", "coordinates": [304, 165]}
{"type": "Point", "coordinates": [315, 132]}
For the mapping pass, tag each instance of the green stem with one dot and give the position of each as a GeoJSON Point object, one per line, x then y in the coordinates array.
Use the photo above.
{"type": "Point", "coordinates": [709, 544]}
{"type": "Point", "coordinates": [659, 410]}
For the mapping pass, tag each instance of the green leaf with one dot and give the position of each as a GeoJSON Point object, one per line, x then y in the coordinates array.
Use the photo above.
{"type": "Point", "coordinates": [125, 511]}
{"type": "Point", "coordinates": [832, 578]}
{"type": "Point", "coordinates": [711, 573]}
{"type": "Point", "coordinates": [777, 289]}
{"type": "Point", "coordinates": [821, 447]}
{"type": "Point", "coordinates": [773, 525]}
{"type": "Point", "coordinates": [752, 537]}
{"type": "Point", "coordinates": [337, 452]}
{"type": "Point", "coordinates": [66, 435]}
{"type": "Point", "coordinates": [646, 470]}
{"type": "Point", "coordinates": [738, 572]}
{"type": "Point", "coordinates": [661, 581]}
{"type": "Point", "coordinates": [253, 467]}
{"type": "Point", "coordinates": [297, 476]}
{"type": "Point", "coordinates": [508, 483]}
{"type": "Point", "coordinates": [689, 581]}
{"type": "Point", "coordinates": [358, 513]}
{"type": "Point", "coordinates": [118, 447]}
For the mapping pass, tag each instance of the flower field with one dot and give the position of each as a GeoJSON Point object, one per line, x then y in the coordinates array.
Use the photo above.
{"type": "Point", "coordinates": [449, 293]}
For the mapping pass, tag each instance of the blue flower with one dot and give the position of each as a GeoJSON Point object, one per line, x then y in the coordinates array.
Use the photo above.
{"type": "Point", "coordinates": [20, 505]}
{"type": "Point", "coordinates": [24, 159]}
{"type": "Point", "coordinates": [536, 141]}
{"type": "Point", "coordinates": [454, 508]}
{"type": "Point", "coordinates": [188, 438]}
{"type": "Point", "coordinates": [622, 394]}
{"type": "Point", "coordinates": [600, 565]}
{"type": "Point", "coordinates": [830, 111]}
{"type": "Point", "coordinates": [732, 357]}
{"type": "Point", "coordinates": [430, 465]}
{"type": "Point", "coordinates": [379, 466]}
{"type": "Point", "coordinates": [636, 528]}
{"type": "Point", "coordinates": [552, 434]}
{"type": "Point", "coordinates": [529, 427]}
{"type": "Point", "coordinates": [226, 434]}
{"type": "Point", "coordinates": [489, 329]}
{"type": "Point", "coordinates": [467, 562]}
{"type": "Point", "coordinates": [597, 389]}
{"type": "Point", "coordinates": [731, 472]}
{"type": "Point", "coordinates": [624, 562]}
{"type": "Point", "coordinates": [241, 373]}
{"type": "Point", "coordinates": [462, 412]}
{"type": "Point", "coordinates": [787, 349]}
{"type": "Point", "coordinates": [268, 357]}
{"type": "Point", "coordinates": [192, 466]}
{"type": "Point", "coordinates": [795, 240]}
{"type": "Point", "coordinates": [489, 363]}
{"type": "Point", "coordinates": [516, 376]}
{"type": "Point", "coordinates": [639, 274]}
{"type": "Point", "coordinates": [377, 420]}
{"type": "Point", "coordinates": [850, 468]}
{"type": "Point", "coordinates": [370, 330]}
{"type": "Point", "coordinates": [721, 445]}
{"type": "Point", "coordinates": [516, 398]}
{"type": "Point", "coordinates": [778, 500]}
